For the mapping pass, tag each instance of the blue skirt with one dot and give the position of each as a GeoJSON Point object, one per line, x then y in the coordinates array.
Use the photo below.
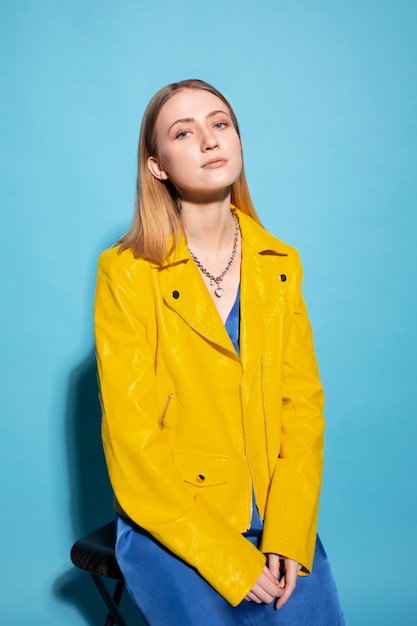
{"type": "Point", "coordinates": [168, 592]}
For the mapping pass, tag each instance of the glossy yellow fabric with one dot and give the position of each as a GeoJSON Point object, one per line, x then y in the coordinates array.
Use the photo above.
{"type": "Point", "coordinates": [189, 427]}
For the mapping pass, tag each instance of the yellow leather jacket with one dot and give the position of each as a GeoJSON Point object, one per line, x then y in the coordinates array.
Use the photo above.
{"type": "Point", "coordinates": [190, 429]}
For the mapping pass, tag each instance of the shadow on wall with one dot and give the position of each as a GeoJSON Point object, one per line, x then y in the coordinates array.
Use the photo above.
{"type": "Point", "coordinates": [91, 498]}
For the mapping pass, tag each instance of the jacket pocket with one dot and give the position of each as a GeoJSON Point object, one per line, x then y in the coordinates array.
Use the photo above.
{"type": "Point", "coordinates": [202, 470]}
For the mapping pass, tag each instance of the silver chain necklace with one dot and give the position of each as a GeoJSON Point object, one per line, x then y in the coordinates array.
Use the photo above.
{"type": "Point", "coordinates": [216, 280]}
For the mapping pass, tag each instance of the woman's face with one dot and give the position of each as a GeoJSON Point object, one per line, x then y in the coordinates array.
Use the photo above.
{"type": "Point", "coordinates": [199, 148]}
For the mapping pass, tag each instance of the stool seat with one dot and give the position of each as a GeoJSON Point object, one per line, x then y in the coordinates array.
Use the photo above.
{"type": "Point", "coordinates": [95, 552]}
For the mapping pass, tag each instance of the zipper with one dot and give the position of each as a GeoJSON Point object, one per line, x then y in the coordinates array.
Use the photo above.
{"type": "Point", "coordinates": [264, 414]}
{"type": "Point", "coordinates": [164, 412]}
{"type": "Point", "coordinates": [246, 459]}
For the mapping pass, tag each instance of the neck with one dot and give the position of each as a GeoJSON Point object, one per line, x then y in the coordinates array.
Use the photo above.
{"type": "Point", "coordinates": [207, 226]}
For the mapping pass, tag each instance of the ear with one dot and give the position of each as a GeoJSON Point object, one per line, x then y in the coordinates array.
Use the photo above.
{"type": "Point", "coordinates": [156, 169]}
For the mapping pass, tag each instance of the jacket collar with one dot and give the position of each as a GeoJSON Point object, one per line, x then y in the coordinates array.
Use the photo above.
{"type": "Point", "coordinates": [259, 239]}
{"type": "Point", "coordinates": [256, 237]}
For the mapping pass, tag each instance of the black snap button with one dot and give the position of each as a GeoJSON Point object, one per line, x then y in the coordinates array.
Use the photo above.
{"type": "Point", "coordinates": [201, 478]}
{"type": "Point", "coordinates": [176, 294]}
{"type": "Point", "coordinates": [283, 278]}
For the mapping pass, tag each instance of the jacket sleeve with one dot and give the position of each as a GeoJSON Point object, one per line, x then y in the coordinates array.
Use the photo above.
{"type": "Point", "coordinates": [144, 477]}
{"type": "Point", "coordinates": [293, 501]}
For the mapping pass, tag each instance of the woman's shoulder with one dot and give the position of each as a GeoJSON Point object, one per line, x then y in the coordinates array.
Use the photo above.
{"type": "Point", "coordinates": [118, 263]}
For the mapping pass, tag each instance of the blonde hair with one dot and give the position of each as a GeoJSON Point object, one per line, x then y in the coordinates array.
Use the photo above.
{"type": "Point", "coordinates": [156, 226]}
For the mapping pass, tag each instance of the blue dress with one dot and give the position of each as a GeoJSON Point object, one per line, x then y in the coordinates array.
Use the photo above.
{"type": "Point", "coordinates": [168, 592]}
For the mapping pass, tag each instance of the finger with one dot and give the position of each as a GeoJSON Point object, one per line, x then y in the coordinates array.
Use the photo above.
{"type": "Point", "coordinates": [268, 583]}
{"type": "Point", "coordinates": [251, 597]}
{"type": "Point", "coordinates": [259, 594]}
{"type": "Point", "coordinates": [267, 572]}
{"type": "Point", "coordinates": [273, 564]}
{"type": "Point", "coordinates": [285, 596]}
{"type": "Point", "coordinates": [290, 584]}
{"type": "Point", "coordinates": [266, 590]}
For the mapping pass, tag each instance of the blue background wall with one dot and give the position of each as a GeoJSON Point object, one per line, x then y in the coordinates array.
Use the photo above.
{"type": "Point", "coordinates": [325, 91]}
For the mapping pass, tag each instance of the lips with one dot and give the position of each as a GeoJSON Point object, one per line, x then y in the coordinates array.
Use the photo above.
{"type": "Point", "coordinates": [213, 163]}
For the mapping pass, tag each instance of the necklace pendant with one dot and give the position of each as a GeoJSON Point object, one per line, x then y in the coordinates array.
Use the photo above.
{"type": "Point", "coordinates": [219, 292]}
{"type": "Point", "coordinates": [211, 283]}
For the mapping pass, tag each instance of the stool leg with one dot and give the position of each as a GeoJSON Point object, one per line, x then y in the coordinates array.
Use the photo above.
{"type": "Point", "coordinates": [117, 595]}
{"type": "Point", "coordinates": [112, 604]}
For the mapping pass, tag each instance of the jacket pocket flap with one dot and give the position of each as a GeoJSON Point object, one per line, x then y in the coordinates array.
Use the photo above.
{"type": "Point", "coordinates": [202, 470]}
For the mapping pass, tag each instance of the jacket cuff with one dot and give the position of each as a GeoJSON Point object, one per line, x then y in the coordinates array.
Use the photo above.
{"type": "Point", "coordinates": [223, 557]}
{"type": "Point", "coordinates": [290, 524]}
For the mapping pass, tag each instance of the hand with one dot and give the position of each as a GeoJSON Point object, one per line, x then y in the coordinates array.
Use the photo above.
{"type": "Point", "coordinates": [288, 580]}
{"type": "Point", "coordinates": [266, 588]}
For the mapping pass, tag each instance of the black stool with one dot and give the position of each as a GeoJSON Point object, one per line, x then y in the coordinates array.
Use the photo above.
{"type": "Point", "coordinates": [94, 553]}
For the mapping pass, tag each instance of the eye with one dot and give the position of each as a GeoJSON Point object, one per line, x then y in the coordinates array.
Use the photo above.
{"type": "Point", "coordinates": [221, 125]}
{"type": "Point", "coordinates": [182, 134]}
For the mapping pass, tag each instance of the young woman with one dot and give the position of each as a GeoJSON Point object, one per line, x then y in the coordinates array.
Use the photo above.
{"type": "Point", "coordinates": [212, 406]}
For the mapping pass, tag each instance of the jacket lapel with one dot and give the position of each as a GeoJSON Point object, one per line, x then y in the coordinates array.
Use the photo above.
{"type": "Point", "coordinates": [263, 286]}
{"type": "Point", "coordinates": [184, 292]}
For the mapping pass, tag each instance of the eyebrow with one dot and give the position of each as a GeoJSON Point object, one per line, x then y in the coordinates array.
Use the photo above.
{"type": "Point", "coordinates": [186, 120]}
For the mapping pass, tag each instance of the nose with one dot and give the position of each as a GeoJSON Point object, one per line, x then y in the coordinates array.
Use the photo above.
{"type": "Point", "coordinates": [209, 140]}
